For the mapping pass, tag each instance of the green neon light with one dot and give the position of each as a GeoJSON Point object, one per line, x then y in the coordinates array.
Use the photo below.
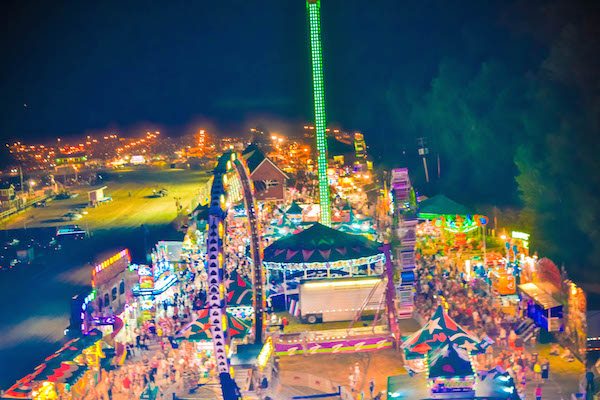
{"type": "Point", "coordinates": [314, 15]}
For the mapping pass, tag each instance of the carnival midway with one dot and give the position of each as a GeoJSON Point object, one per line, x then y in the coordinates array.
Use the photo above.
{"type": "Point", "coordinates": [346, 284]}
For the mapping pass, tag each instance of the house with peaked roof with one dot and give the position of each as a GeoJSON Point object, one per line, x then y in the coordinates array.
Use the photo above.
{"type": "Point", "coordinates": [269, 181]}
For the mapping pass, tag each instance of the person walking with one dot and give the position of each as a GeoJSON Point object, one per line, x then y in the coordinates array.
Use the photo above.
{"type": "Point", "coordinates": [372, 388]}
{"type": "Point", "coordinates": [538, 392]}
{"type": "Point", "coordinates": [545, 369]}
{"type": "Point", "coordinates": [590, 386]}
{"type": "Point", "coordinates": [352, 382]}
{"type": "Point", "coordinates": [537, 370]}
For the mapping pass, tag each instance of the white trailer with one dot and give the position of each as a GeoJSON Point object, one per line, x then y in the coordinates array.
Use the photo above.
{"type": "Point", "coordinates": [339, 299]}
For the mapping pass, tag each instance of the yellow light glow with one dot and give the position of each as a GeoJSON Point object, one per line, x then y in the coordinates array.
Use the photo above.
{"type": "Point", "coordinates": [265, 354]}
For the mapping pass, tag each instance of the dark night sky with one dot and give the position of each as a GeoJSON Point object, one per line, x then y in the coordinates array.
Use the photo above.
{"type": "Point", "coordinates": [84, 66]}
{"type": "Point", "coordinates": [507, 91]}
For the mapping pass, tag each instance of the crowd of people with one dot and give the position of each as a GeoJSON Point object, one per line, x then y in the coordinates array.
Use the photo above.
{"type": "Point", "coordinates": [473, 305]}
{"type": "Point", "coordinates": [156, 363]}
{"type": "Point", "coordinates": [159, 368]}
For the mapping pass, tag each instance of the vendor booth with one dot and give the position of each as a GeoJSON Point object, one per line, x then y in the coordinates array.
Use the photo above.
{"type": "Point", "coordinates": [542, 307]}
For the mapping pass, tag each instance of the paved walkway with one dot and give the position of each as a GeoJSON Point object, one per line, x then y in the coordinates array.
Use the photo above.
{"type": "Point", "coordinates": [564, 376]}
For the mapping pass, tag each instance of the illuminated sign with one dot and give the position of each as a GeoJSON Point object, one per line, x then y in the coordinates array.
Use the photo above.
{"type": "Point", "coordinates": [87, 300]}
{"type": "Point", "coordinates": [453, 385]}
{"type": "Point", "coordinates": [520, 235]}
{"type": "Point", "coordinates": [110, 320]}
{"type": "Point", "coordinates": [123, 254]}
{"type": "Point", "coordinates": [137, 159]}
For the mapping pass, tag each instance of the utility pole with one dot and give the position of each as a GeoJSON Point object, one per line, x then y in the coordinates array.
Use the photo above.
{"type": "Point", "coordinates": [423, 151]}
{"type": "Point", "coordinates": [21, 176]}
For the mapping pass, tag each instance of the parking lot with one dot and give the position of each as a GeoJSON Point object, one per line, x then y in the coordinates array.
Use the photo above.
{"type": "Point", "coordinates": [133, 201]}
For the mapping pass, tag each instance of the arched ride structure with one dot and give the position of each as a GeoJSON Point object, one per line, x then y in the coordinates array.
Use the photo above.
{"type": "Point", "coordinates": [231, 181]}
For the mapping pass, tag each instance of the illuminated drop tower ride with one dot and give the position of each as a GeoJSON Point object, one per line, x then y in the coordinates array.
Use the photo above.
{"type": "Point", "coordinates": [316, 55]}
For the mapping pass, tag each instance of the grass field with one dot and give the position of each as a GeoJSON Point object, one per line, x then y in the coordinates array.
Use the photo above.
{"type": "Point", "coordinates": [132, 205]}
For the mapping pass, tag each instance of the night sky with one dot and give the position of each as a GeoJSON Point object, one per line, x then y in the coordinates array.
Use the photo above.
{"type": "Point", "coordinates": [506, 93]}
{"type": "Point", "coordinates": [84, 66]}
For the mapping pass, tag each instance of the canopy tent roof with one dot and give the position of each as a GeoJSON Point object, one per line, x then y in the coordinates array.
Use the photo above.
{"type": "Point", "coordinates": [67, 372]}
{"type": "Point", "coordinates": [239, 290]}
{"type": "Point", "coordinates": [449, 361]}
{"type": "Point", "coordinates": [199, 329]}
{"type": "Point", "coordinates": [71, 349]}
{"type": "Point", "coordinates": [320, 244]}
{"type": "Point", "coordinates": [442, 205]}
{"type": "Point", "coordinates": [20, 390]}
{"type": "Point", "coordinates": [53, 364]}
{"type": "Point", "coordinates": [436, 333]}
{"type": "Point", "coordinates": [286, 221]}
{"type": "Point", "coordinates": [294, 209]}
{"type": "Point", "coordinates": [540, 296]}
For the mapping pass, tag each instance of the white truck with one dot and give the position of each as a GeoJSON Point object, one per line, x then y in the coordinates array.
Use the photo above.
{"type": "Point", "coordinates": [339, 299]}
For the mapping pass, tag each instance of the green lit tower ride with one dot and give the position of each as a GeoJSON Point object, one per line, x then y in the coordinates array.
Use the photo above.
{"type": "Point", "coordinates": [316, 53]}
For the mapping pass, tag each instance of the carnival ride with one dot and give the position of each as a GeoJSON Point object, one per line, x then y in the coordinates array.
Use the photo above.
{"type": "Point", "coordinates": [316, 56]}
{"type": "Point", "coordinates": [405, 220]}
{"type": "Point", "coordinates": [231, 183]}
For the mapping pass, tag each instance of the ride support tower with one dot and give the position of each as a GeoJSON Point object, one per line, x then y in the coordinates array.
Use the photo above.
{"type": "Point", "coordinates": [316, 55]}
{"type": "Point", "coordinates": [404, 239]}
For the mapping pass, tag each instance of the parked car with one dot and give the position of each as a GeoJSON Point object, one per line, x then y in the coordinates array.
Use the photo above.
{"type": "Point", "coordinates": [72, 216]}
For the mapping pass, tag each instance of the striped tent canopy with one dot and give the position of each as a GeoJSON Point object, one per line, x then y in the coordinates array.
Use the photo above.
{"type": "Point", "coordinates": [199, 330]}
{"type": "Point", "coordinates": [436, 333]}
{"type": "Point", "coordinates": [67, 372]}
{"type": "Point", "coordinates": [294, 209]}
{"type": "Point", "coordinates": [449, 361]}
{"type": "Point", "coordinates": [57, 367]}
{"type": "Point", "coordinates": [441, 205]}
{"type": "Point", "coordinates": [71, 349]}
{"type": "Point", "coordinates": [320, 244]}
{"type": "Point", "coordinates": [239, 290]}
{"type": "Point", "coordinates": [20, 390]}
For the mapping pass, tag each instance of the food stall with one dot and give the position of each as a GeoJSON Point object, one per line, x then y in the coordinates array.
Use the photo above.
{"type": "Point", "coordinates": [542, 307]}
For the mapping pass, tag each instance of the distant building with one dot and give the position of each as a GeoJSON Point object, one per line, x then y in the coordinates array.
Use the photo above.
{"type": "Point", "coordinates": [360, 146]}
{"type": "Point", "coordinates": [341, 153]}
{"type": "Point", "coordinates": [269, 181]}
{"type": "Point", "coordinates": [71, 159]}
{"type": "Point", "coordinates": [96, 196]}
{"type": "Point", "coordinates": [350, 155]}
{"type": "Point", "coordinates": [7, 193]}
